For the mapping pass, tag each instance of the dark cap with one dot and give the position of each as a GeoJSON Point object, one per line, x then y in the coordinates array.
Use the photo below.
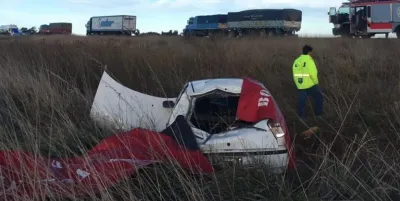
{"type": "Point", "coordinates": [307, 49]}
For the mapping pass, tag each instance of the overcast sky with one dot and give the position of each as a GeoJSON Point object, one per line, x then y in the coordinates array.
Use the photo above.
{"type": "Point", "coordinates": [154, 15]}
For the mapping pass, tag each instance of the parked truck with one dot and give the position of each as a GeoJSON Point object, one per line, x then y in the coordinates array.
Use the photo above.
{"type": "Point", "coordinates": [112, 25]}
{"type": "Point", "coordinates": [56, 28]}
{"type": "Point", "coordinates": [261, 22]}
{"type": "Point", "coordinates": [9, 30]}
{"type": "Point", "coordinates": [264, 22]}
{"type": "Point", "coordinates": [366, 18]}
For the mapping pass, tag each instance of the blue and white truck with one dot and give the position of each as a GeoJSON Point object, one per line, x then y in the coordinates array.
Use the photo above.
{"type": "Point", "coordinates": [263, 22]}
{"type": "Point", "coordinates": [112, 25]}
{"type": "Point", "coordinates": [10, 30]}
{"type": "Point", "coordinates": [206, 25]}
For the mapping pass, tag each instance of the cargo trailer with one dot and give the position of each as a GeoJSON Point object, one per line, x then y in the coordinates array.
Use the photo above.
{"type": "Point", "coordinates": [112, 25]}
{"type": "Point", "coordinates": [61, 28]}
{"type": "Point", "coordinates": [260, 22]}
{"type": "Point", "coordinates": [64, 28]}
{"type": "Point", "coordinates": [264, 22]}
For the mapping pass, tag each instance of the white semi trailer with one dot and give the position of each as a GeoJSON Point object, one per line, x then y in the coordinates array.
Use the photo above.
{"type": "Point", "coordinates": [112, 25]}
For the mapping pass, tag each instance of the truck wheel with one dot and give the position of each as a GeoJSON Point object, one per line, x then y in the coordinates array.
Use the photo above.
{"type": "Point", "coordinates": [231, 34]}
{"type": "Point", "coordinates": [263, 33]}
{"type": "Point", "coordinates": [240, 33]}
{"type": "Point", "coordinates": [345, 31]}
{"type": "Point", "coordinates": [398, 32]}
{"type": "Point", "coordinates": [344, 34]}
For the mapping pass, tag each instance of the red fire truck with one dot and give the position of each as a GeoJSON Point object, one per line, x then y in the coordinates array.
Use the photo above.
{"type": "Point", "coordinates": [366, 18]}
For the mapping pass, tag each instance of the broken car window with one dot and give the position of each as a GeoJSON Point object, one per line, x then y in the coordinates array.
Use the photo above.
{"type": "Point", "coordinates": [215, 112]}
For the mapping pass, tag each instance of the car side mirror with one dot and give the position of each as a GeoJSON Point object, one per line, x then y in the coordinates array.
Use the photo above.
{"type": "Point", "coordinates": [168, 104]}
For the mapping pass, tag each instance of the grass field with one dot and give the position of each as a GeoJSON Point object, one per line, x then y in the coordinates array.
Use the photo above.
{"type": "Point", "coordinates": [47, 87]}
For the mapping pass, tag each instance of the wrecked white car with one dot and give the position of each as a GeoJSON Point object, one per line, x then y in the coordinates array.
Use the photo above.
{"type": "Point", "coordinates": [234, 118]}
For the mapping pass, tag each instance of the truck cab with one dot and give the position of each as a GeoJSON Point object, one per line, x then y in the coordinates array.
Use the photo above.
{"type": "Point", "coordinates": [366, 18]}
{"type": "Point", "coordinates": [351, 19]}
{"type": "Point", "coordinates": [87, 26]}
{"type": "Point", "coordinates": [340, 19]}
{"type": "Point", "coordinates": [14, 31]}
{"type": "Point", "coordinates": [44, 29]}
{"type": "Point", "coordinates": [188, 27]}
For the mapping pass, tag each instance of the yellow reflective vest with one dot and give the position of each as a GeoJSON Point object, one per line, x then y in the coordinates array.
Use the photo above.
{"type": "Point", "coordinates": [305, 72]}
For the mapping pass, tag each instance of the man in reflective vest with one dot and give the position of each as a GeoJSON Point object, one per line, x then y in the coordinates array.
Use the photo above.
{"type": "Point", "coordinates": [305, 76]}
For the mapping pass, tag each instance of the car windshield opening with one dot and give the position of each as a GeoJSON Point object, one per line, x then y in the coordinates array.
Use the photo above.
{"type": "Point", "coordinates": [216, 112]}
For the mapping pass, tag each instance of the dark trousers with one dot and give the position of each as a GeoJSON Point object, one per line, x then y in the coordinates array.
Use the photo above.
{"type": "Point", "coordinates": [316, 93]}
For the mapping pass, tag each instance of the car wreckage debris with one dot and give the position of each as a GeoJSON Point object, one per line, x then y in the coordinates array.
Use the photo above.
{"type": "Point", "coordinates": [228, 116]}
{"type": "Point", "coordinates": [115, 158]}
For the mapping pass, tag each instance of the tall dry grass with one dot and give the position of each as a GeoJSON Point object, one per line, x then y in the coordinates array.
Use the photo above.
{"type": "Point", "coordinates": [47, 86]}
